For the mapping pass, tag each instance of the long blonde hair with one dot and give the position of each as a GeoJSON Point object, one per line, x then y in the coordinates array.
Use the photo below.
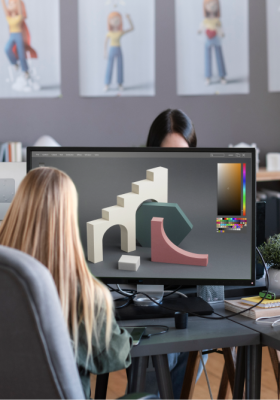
{"type": "Point", "coordinates": [42, 222]}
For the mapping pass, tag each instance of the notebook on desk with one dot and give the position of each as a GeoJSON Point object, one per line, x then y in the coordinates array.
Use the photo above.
{"type": "Point", "coordinates": [236, 306]}
{"type": "Point", "coordinates": [251, 301]}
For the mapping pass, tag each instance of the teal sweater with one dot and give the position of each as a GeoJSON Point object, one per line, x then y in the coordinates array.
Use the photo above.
{"type": "Point", "coordinates": [117, 357]}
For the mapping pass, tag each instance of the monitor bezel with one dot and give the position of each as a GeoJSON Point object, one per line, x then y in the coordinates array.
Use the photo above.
{"type": "Point", "coordinates": [173, 281]}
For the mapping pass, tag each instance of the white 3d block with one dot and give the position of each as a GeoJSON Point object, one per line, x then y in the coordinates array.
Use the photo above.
{"type": "Point", "coordinates": [129, 263]}
{"type": "Point", "coordinates": [154, 187]}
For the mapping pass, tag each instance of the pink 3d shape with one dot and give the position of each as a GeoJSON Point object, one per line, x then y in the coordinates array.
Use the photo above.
{"type": "Point", "coordinates": [163, 250]}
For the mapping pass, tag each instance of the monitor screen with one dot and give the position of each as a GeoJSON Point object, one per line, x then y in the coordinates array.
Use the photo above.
{"type": "Point", "coordinates": [189, 214]}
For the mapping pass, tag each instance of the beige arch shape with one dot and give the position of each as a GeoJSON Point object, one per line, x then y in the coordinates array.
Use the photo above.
{"type": "Point", "coordinates": [155, 186]}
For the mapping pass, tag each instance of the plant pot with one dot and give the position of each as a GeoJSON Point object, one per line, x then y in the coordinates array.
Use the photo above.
{"type": "Point", "coordinates": [274, 280]}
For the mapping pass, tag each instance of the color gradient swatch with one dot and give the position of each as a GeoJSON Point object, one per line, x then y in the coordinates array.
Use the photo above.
{"type": "Point", "coordinates": [229, 189]}
{"type": "Point", "coordinates": [230, 224]}
{"type": "Point", "coordinates": [244, 190]}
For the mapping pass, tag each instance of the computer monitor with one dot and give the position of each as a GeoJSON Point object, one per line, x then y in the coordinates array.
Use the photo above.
{"type": "Point", "coordinates": [205, 196]}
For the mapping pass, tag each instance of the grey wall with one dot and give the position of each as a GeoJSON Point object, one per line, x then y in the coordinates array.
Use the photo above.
{"type": "Point", "coordinates": [219, 120]}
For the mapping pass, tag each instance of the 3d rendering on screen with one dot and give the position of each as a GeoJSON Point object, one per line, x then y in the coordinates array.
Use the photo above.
{"type": "Point", "coordinates": [163, 250]}
{"type": "Point", "coordinates": [122, 193]}
{"type": "Point", "coordinates": [154, 187]}
{"type": "Point", "coordinates": [129, 263]}
{"type": "Point", "coordinates": [173, 217]}
{"type": "Point", "coordinates": [139, 221]}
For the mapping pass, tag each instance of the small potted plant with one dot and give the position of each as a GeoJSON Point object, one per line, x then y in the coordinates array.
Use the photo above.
{"type": "Point", "coordinates": [271, 254]}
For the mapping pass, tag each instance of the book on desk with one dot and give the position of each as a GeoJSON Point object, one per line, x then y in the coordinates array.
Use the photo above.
{"type": "Point", "coordinates": [256, 312]}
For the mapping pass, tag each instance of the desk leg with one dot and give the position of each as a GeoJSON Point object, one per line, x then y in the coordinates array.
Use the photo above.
{"type": "Point", "coordinates": [253, 371]}
{"type": "Point", "coordinates": [238, 389]}
{"type": "Point", "coordinates": [190, 375]}
{"type": "Point", "coordinates": [161, 366]}
{"type": "Point", "coordinates": [136, 375]}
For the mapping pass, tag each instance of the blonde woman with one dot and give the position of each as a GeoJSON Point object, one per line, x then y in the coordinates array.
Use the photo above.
{"type": "Point", "coordinates": [42, 222]}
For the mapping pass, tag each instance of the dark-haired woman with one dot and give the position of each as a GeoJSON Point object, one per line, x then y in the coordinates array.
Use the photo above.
{"type": "Point", "coordinates": [173, 128]}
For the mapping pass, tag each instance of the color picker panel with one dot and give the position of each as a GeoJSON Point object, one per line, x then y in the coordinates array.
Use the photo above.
{"type": "Point", "coordinates": [244, 190]}
{"type": "Point", "coordinates": [230, 224]}
{"type": "Point", "coordinates": [229, 189]}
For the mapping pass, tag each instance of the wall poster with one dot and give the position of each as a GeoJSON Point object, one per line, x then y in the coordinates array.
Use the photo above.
{"type": "Point", "coordinates": [117, 47]}
{"type": "Point", "coordinates": [212, 47]}
{"type": "Point", "coordinates": [273, 43]}
{"type": "Point", "coordinates": [29, 48]}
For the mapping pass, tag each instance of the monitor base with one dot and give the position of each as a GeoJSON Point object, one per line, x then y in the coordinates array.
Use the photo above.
{"type": "Point", "coordinates": [155, 292]}
{"type": "Point", "coordinates": [189, 305]}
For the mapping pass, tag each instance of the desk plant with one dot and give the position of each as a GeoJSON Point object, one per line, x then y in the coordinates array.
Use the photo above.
{"type": "Point", "coordinates": [271, 254]}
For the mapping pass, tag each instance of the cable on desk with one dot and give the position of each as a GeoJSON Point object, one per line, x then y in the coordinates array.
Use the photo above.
{"type": "Point", "coordinates": [129, 300]}
{"type": "Point", "coordinates": [206, 375]}
{"type": "Point", "coordinates": [203, 316]}
{"type": "Point", "coordinates": [174, 291]}
{"type": "Point", "coordinates": [131, 293]}
{"type": "Point", "coordinates": [148, 335]}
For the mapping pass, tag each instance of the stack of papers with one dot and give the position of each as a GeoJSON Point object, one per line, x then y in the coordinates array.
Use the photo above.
{"type": "Point", "coordinates": [264, 304]}
{"type": "Point", "coordinates": [236, 306]}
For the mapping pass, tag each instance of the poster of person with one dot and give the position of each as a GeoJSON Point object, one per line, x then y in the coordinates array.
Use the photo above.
{"type": "Point", "coordinates": [117, 47]}
{"type": "Point", "coordinates": [212, 47]}
{"type": "Point", "coordinates": [273, 44]}
{"type": "Point", "coordinates": [29, 48]}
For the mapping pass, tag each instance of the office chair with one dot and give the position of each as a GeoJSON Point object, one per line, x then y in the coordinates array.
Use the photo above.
{"type": "Point", "coordinates": [36, 358]}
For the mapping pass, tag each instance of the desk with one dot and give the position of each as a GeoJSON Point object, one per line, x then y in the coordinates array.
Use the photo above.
{"type": "Point", "coordinates": [268, 336]}
{"type": "Point", "coordinates": [201, 334]}
{"type": "Point", "coordinates": [267, 176]}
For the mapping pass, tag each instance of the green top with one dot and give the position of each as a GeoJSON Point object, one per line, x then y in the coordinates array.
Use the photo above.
{"type": "Point", "coordinates": [117, 357]}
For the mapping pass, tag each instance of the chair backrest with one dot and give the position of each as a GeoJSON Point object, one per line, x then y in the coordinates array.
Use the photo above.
{"type": "Point", "coordinates": [36, 357]}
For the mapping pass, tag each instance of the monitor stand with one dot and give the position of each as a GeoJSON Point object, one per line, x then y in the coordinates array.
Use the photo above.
{"type": "Point", "coordinates": [156, 292]}
{"type": "Point", "coordinates": [143, 308]}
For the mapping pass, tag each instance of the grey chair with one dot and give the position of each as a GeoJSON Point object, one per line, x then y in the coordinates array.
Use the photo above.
{"type": "Point", "coordinates": [36, 358]}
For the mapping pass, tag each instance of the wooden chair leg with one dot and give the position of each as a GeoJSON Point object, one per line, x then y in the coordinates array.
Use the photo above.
{"type": "Point", "coordinates": [275, 360]}
{"type": "Point", "coordinates": [190, 375]}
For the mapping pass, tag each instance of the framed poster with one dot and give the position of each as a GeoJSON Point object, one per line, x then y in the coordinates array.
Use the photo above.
{"type": "Point", "coordinates": [212, 47]}
{"type": "Point", "coordinates": [117, 47]}
{"type": "Point", "coordinates": [29, 48]}
{"type": "Point", "coordinates": [273, 43]}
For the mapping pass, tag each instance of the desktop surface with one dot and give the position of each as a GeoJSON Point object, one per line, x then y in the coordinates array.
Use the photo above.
{"type": "Point", "coordinates": [200, 334]}
{"type": "Point", "coordinates": [214, 188]}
